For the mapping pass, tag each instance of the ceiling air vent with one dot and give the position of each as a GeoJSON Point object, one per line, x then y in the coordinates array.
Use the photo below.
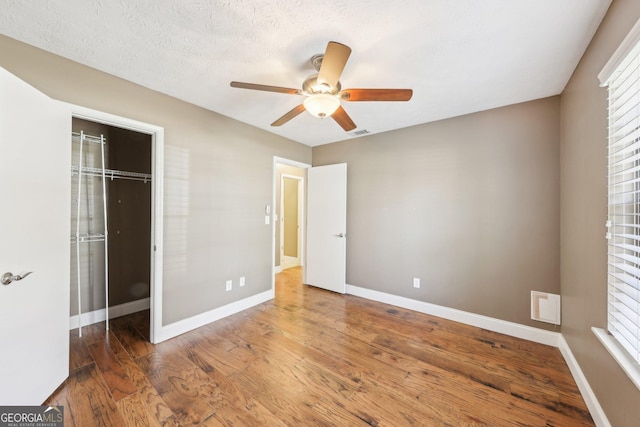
{"type": "Point", "coordinates": [359, 132]}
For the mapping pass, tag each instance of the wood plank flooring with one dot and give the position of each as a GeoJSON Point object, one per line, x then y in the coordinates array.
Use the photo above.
{"type": "Point", "coordinates": [315, 358]}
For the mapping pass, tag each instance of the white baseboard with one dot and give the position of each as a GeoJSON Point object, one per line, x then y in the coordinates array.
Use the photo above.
{"type": "Point", "coordinates": [91, 317]}
{"type": "Point", "coordinates": [194, 322]}
{"type": "Point", "coordinates": [588, 395]}
{"type": "Point", "coordinates": [289, 261]}
{"type": "Point", "coordinates": [277, 269]}
{"type": "Point", "coordinates": [513, 329]}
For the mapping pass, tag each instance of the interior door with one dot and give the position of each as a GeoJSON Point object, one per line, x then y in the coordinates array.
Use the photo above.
{"type": "Point", "coordinates": [327, 227]}
{"type": "Point", "coordinates": [34, 237]}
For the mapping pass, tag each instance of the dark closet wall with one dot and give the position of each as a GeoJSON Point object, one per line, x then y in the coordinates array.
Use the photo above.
{"type": "Point", "coordinates": [129, 216]}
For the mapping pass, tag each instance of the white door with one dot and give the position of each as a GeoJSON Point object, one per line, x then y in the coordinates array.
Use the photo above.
{"type": "Point", "coordinates": [327, 227]}
{"type": "Point", "coordinates": [34, 237]}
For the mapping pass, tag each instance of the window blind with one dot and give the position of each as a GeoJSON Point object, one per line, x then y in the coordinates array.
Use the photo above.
{"type": "Point", "coordinates": [623, 221]}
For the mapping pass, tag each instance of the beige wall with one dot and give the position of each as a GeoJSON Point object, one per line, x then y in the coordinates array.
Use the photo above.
{"type": "Point", "coordinates": [290, 218]}
{"type": "Point", "coordinates": [218, 179]}
{"type": "Point", "coordinates": [469, 205]}
{"type": "Point", "coordinates": [584, 209]}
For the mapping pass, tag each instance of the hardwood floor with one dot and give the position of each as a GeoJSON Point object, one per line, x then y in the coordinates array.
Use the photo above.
{"type": "Point", "coordinates": [314, 358]}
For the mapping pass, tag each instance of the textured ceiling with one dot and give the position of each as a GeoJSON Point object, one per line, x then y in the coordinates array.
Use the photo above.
{"type": "Point", "coordinates": [459, 56]}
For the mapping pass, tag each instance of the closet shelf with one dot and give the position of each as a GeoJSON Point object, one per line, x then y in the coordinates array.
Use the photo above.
{"type": "Point", "coordinates": [88, 238]}
{"type": "Point", "coordinates": [111, 173]}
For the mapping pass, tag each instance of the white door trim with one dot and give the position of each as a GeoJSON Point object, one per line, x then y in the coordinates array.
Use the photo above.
{"type": "Point", "coordinates": [283, 161]}
{"type": "Point", "coordinates": [157, 184]}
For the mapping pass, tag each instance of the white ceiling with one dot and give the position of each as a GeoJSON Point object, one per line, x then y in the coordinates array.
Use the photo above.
{"type": "Point", "coordinates": [458, 56]}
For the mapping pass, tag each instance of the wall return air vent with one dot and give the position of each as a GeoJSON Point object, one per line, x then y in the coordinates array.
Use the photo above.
{"type": "Point", "coordinates": [545, 307]}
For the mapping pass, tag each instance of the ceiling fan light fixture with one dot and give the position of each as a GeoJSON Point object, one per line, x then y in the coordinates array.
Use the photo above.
{"type": "Point", "coordinates": [323, 92]}
{"type": "Point", "coordinates": [321, 104]}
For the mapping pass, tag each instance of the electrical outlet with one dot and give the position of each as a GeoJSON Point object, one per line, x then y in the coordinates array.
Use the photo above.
{"type": "Point", "coordinates": [242, 281]}
{"type": "Point", "coordinates": [229, 285]}
{"type": "Point", "coordinates": [416, 282]}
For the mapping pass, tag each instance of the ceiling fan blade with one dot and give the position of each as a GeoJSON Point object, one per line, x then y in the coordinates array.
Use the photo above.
{"type": "Point", "coordinates": [343, 119]}
{"type": "Point", "coordinates": [376, 94]}
{"type": "Point", "coordinates": [288, 116]}
{"type": "Point", "coordinates": [335, 58]}
{"type": "Point", "coordinates": [266, 88]}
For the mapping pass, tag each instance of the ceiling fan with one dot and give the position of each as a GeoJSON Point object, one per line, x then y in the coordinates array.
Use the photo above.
{"type": "Point", "coordinates": [323, 91]}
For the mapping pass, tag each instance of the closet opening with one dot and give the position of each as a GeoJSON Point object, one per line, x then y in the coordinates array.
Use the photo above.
{"type": "Point", "coordinates": [111, 223]}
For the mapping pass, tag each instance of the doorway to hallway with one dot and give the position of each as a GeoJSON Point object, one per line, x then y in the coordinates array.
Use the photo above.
{"type": "Point", "coordinates": [288, 218]}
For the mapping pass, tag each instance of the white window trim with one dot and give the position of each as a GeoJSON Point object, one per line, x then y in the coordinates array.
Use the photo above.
{"type": "Point", "coordinates": [628, 365]}
{"type": "Point", "coordinates": [620, 54]}
{"type": "Point", "coordinates": [615, 349]}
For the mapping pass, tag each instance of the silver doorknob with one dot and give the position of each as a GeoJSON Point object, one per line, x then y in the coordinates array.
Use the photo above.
{"type": "Point", "coordinates": [341, 235]}
{"type": "Point", "coordinates": [8, 278]}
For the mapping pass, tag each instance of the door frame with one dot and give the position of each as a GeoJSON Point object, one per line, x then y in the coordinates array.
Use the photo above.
{"type": "Point", "coordinates": [300, 219]}
{"type": "Point", "coordinates": [157, 184]}
{"type": "Point", "coordinates": [283, 161]}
